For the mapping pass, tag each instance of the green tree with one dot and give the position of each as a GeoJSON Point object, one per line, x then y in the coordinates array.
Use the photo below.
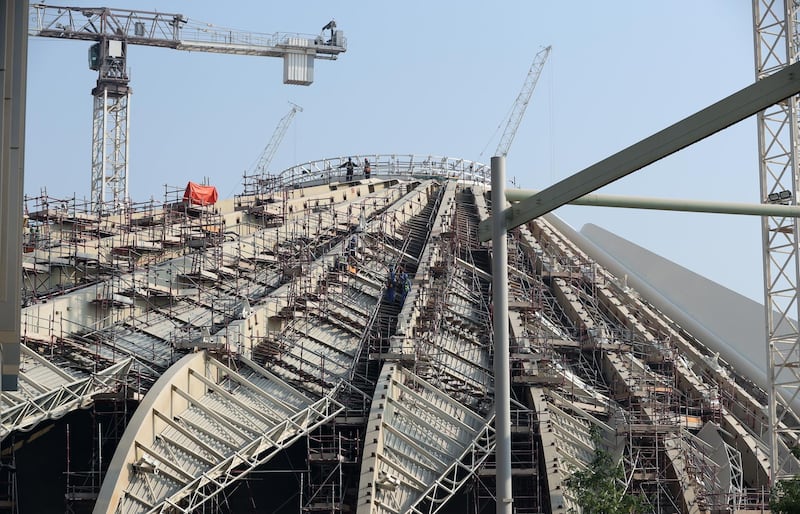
{"type": "Point", "coordinates": [600, 488]}
{"type": "Point", "coordinates": [785, 497]}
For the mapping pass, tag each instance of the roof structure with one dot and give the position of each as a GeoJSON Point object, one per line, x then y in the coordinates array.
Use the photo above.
{"type": "Point", "coordinates": [345, 327]}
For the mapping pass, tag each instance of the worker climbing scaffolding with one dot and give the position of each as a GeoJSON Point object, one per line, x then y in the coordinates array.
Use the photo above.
{"type": "Point", "coordinates": [397, 285]}
{"type": "Point", "coordinates": [404, 284]}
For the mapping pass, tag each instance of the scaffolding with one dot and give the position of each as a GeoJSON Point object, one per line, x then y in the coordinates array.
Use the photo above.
{"type": "Point", "coordinates": [527, 482]}
{"type": "Point", "coordinates": [9, 494]}
{"type": "Point", "coordinates": [334, 454]}
{"type": "Point", "coordinates": [108, 418]}
{"type": "Point", "coordinates": [162, 279]}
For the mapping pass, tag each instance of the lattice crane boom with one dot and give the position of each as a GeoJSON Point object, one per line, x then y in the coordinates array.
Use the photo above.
{"type": "Point", "coordinates": [114, 29]}
{"type": "Point", "coordinates": [521, 103]}
{"type": "Point", "coordinates": [173, 31]}
{"type": "Point", "coordinates": [262, 166]}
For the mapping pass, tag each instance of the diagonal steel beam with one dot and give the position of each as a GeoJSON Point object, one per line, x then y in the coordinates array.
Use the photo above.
{"type": "Point", "coordinates": [732, 109]}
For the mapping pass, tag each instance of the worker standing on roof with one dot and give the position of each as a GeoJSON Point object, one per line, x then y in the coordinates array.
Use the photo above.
{"type": "Point", "coordinates": [367, 169]}
{"type": "Point", "coordinates": [349, 165]}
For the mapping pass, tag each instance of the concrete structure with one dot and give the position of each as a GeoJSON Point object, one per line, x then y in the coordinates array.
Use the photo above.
{"type": "Point", "coordinates": [317, 345]}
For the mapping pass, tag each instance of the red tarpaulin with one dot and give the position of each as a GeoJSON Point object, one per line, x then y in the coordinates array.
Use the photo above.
{"type": "Point", "coordinates": [198, 194]}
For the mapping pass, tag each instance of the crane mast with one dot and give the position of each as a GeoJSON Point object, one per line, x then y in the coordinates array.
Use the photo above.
{"type": "Point", "coordinates": [113, 30]}
{"type": "Point", "coordinates": [776, 40]}
{"type": "Point", "coordinates": [521, 102]}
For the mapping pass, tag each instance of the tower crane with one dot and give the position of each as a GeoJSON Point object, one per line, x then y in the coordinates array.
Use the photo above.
{"type": "Point", "coordinates": [522, 102]}
{"type": "Point", "coordinates": [262, 166]}
{"type": "Point", "coordinates": [113, 30]}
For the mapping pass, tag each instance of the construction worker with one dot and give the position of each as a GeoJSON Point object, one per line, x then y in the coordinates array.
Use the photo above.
{"type": "Point", "coordinates": [331, 25]}
{"type": "Point", "coordinates": [390, 286]}
{"type": "Point", "coordinates": [349, 165]}
{"type": "Point", "coordinates": [367, 169]}
{"type": "Point", "coordinates": [352, 246]}
{"type": "Point", "coordinates": [404, 284]}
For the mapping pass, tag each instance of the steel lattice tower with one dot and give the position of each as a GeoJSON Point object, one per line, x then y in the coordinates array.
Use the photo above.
{"type": "Point", "coordinates": [775, 35]}
{"type": "Point", "coordinates": [110, 126]}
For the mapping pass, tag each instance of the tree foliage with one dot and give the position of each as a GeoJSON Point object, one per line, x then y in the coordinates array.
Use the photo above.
{"type": "Point", "coordinates": [600, 489]}
{"type": "Point", "coordinates": [785, 497]}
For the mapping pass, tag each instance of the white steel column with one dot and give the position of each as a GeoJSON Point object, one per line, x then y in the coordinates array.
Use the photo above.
{"type": "Point", "coordinates": [13, 73]}
{"type": "Point", "coordinates": [502, 374]}
{"type": "Point", "coordinates": [775, 48]}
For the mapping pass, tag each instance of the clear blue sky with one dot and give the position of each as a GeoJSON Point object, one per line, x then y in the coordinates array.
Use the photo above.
{"type": "Point", "coordinates": [437, 78]}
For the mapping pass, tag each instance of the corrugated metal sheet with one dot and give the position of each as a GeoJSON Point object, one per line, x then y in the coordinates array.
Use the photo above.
{"type": "Point", "coordinates": [298, 69]}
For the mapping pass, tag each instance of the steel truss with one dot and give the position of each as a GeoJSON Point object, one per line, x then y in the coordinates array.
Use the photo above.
{"type": "Point", "coordinates": [110, 127]}
{"type": "Point", "coordinates": [462, 469]}
{"type": "Point", "coordinates": [383, 165]}
{"type": "Point", "coordinates": [24, 414]}
{"type": "Point", "coordinates": [236, 466]}
{"type": "Point", "coordinates": [776, 46]}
